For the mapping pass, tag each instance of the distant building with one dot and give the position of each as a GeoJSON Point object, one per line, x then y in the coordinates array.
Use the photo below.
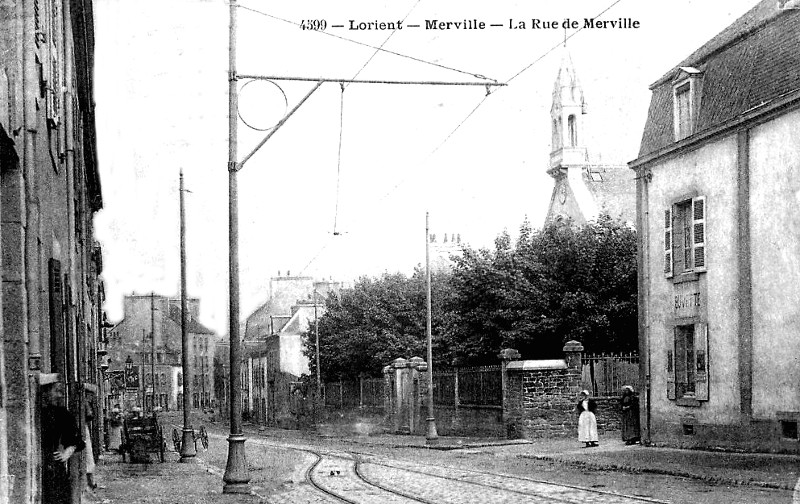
{"type": "Point", "coordinates": [130, 339]}
{"type": "Point", "coordinates": [442, 250]}
{"type": "Point", "coordinates": [583, 188]}
{"type": "Point", "coordinates": [273, 346]}
{"type": "Point", "coordinates": [718, 181]}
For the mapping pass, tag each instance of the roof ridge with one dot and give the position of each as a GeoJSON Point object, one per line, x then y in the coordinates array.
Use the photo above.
{"type": "Point", "coordinates": [743, 27]}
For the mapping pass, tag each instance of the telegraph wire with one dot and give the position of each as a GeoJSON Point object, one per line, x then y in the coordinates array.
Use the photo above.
{"type": "Point", "coordinates": [413, 58]}
{"type": "Point", "coordinates": [560, 43]}
{"type": "Point", "coordinates": [379, 49]}
{"type": "Point", "coordinates": [466, 118]}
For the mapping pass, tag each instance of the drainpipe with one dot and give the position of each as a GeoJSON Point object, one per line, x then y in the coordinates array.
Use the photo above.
{"type": "Point", "coordinates": [31, 203]}
{"type": "Point", "coordinates": [644, 175]}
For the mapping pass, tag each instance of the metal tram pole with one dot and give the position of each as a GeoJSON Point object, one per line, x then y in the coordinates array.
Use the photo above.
{"type": "Point", "coordinates": [236, 477]}
{"type": "Point", "coordinates": [153, 352]}
{"type": "Point", "coordinates": [431, 436]}
{"type": "Point", "coordinates": [187, 439]}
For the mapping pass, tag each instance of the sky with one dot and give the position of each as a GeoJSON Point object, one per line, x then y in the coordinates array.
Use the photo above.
{"type": "Point", "coordinates": [342, 188]}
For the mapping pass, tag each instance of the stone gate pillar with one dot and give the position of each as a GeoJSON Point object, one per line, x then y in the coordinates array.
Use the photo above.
{"type": "Point", "coordinates": [573, 355]}
{"type": "Point", "coordinates": [512, 402]}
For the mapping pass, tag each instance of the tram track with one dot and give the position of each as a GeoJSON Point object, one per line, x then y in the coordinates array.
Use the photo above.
{"type": "Point", "coordinates": [354, 484]}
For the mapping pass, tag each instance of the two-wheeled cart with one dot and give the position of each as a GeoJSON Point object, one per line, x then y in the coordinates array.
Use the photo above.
{"type": "Point", "coordinates": [199, 435]}
{"type": "Point", "coordinates": [142, 435]}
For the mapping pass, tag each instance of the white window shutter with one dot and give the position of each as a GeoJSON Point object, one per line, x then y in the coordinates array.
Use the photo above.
{"type": "Point", "coordinates": [668, 243]}
{"type": "Point", "coordinates": [701, 362]}
{"type": "Point", "coordinates": [670, 366]}
{"type": "Point", "coordinates": [699, 212]}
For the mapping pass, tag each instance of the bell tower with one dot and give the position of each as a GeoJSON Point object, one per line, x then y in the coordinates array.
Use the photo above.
{"type": "Point", "coordinates": [568, 147]}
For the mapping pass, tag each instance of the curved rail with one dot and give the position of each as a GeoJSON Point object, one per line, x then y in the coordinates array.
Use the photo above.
{"type": "Point", "coordinates": [357, 461]}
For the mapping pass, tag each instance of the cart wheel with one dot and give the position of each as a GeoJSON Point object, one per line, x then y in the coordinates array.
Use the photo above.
{"type": "Point", "coordinates": [176, 440]}
{"type": "Point", "coordinates": [204, 437]}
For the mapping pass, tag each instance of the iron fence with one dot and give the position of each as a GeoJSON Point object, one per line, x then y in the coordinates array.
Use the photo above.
{"type": "Point", "coordinates": [606, 374]}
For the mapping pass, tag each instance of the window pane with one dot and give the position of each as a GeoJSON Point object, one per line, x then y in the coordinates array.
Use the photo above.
{"type": "Point", "coordinates": [690, 364]}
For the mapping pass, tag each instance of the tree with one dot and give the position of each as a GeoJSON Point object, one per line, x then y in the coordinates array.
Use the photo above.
{"type": "Point", "coordinates": [552, 285]}
{"type": "Point", "coordinates": [376, 321]}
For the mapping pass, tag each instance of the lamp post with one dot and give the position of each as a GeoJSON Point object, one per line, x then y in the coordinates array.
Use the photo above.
{"type": "Point", "coordinates": [128, 370]}
{"type": "Point", "coordinates": [431, 436]}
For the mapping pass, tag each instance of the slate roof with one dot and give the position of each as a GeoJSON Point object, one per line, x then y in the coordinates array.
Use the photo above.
{"type": "Point", "coordinates": [192, 325]}
{"type": "Point", "coordinates": [752, 63]}
{"type": "Point", "coordinates": [614, 190]}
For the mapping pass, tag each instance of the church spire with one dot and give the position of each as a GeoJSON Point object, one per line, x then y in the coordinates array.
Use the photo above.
{"type": "Point", "coordinates": [568, 106]}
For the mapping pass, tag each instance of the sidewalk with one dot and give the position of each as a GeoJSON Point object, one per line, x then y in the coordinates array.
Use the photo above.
{"type": "Point", "coordinates": [168, 482]}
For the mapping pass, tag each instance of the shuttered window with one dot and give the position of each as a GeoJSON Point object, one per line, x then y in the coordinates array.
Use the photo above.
{"type": "Point", "coordinates": [668, 243]}
{"type": "Point", "coordinates": [699, 232]}
{"type": "Point", "coordinates": [685, 237]}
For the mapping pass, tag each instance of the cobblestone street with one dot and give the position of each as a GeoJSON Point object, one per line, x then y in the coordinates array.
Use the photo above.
{"type": "Point", "coordinates": [292, 467]}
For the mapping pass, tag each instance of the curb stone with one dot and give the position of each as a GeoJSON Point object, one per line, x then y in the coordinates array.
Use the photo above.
{"type": "Point", "coordinates": [667, 472]}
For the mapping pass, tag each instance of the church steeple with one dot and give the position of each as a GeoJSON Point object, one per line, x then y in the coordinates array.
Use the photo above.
{"type": "Point", "coordinates": [566, 113]}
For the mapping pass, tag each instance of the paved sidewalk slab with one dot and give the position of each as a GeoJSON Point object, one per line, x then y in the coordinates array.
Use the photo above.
{"type": "Point", "coordinates": [169, 482]}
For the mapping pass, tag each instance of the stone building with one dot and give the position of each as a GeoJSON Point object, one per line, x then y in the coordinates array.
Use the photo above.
{"type": "Point", "coordinates": [52, 294]}
{"type": "Point", "coordinates": [273, 347]}
{"type": "Point", "coordinates": [129, 341]}
{"type": "Point", "coordinates": [718, 183]}
{"type": "Point", "coordinates": [583, 186]}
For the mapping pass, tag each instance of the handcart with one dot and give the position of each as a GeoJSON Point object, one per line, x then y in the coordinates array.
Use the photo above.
{"type": "Point", "coordinates": [142, 435]}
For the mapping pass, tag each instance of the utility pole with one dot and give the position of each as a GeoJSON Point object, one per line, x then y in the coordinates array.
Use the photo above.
{"type": "Point", "coordinates": [316, 345]}
{"type": "Point", "coordinates": [144, 361]}
{"type": "Point", "coordinates": [236, 477]}
{"type": "Point", "coordinates": [187, 439]}
{"type": "Point", "coordinates": [431, 436]}
{"type": "Point", "coordinates": [153, 350]}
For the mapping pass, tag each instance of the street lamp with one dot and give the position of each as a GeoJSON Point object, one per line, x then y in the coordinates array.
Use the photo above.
{"type": "Point", "coordinates": [128, 371]}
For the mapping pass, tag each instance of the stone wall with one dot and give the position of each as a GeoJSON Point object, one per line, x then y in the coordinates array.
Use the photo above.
{"type": "Point", "coordinates": [540, 396]}
{"type": "Point", "coordinates": [541, 403]}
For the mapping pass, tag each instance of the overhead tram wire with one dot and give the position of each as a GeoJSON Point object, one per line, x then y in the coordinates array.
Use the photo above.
{"type": "Point", "coordinates": [559, 44]}
{"type": "Point", "coordinates": [379, 49]}
{"type": "Point", "coordinates": [470, 114]}
{"type": "Point", "coordinates": [341, 118]}
{"type": "Point", "coordinates": [387, 51]}
{"type": "Point", "coordinates": [339, 159]}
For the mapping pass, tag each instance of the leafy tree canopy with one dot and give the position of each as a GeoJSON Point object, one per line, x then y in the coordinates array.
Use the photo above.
{"type": "Point", "coordinates": [552, 285]}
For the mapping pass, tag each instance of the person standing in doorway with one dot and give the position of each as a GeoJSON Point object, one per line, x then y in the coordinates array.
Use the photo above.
{"type": "Point", "coordinates": [587, 422]}
{"type": "Point", "coordinates": [61, 438]}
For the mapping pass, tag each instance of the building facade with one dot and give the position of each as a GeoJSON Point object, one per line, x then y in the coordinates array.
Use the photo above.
{"type": "Point", "coordinates": [582, 187]}
{"type": "Point", "coordinates": [274, 359]}
{"type": "Point", "coordinates": [719, 279]}
{"type": "Point", "coordinates": [52, 294]}
{"type": "Point", "coordinates": [153, 366]}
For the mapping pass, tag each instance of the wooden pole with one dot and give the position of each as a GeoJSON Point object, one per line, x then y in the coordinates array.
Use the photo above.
{"type": "Point", "coordinates": [187, 439]}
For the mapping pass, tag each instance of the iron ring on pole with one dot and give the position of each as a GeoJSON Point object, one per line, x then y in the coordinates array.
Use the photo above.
{"type": "Point", "coordinates": [285, 104]}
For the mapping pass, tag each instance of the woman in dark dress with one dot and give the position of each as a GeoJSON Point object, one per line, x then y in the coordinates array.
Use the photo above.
{"type": "Point", "coordinates": [630, 416]}
{"type": "Point", "coordinates": [61, 438]}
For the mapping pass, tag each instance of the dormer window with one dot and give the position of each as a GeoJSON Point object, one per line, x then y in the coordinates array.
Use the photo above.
{"type": "Point", "coordinates": [686, 101]}
{"type": "Point", "coordinates": [683, 111]}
